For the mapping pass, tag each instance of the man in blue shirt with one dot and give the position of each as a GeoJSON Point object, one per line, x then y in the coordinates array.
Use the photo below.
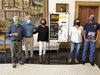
{"type": "Point", "coordinates": [90, 38]}
{"type": "Point", "coordinates": [29, 27]}
{"type": "Point", "coordinates": [16, 33]}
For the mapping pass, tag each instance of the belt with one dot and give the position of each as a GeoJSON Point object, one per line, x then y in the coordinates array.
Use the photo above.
{"type": "Point", "coordinates": [16, 40]}
{"type": "Point", "coordinates": [28, 37]}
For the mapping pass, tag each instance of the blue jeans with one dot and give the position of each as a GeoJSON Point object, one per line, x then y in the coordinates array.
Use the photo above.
{"type": "Point", "coordinates": [78, 45]}
{"type": "Point", "coordinates": [92, 46]}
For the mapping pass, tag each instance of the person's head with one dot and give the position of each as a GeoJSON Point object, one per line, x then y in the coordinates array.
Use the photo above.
{"type": "Point", "coordinates": [43, 22]}
{"type": "Point", "coordinates": [61, 9]}
{"type": "Point", "coordinates": [16, 20]}
{"type": "Point", "coordinates": [91, 18]}
{"type": "Point", "coordinates": [77, 22]}
{"type": "Point", "coordinates": [28, 19]}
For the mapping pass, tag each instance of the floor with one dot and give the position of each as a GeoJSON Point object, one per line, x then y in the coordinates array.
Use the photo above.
{"type": "Point", "coordinates": [37, 69]}
{"type": "Point", "coordinates": [56, 64]}
{"type": "Point", "coordinates": [52, 57]}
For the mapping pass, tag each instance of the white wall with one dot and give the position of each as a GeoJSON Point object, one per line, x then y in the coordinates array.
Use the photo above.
{"type": "Point", "coordinates": [52, 4]}
{"type": "Point", "coordinates": [52, 7]}
{"type": "Point", "coordinates": [88, 0]}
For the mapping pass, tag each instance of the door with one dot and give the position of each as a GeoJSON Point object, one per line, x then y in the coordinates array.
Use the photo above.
{"type": "Point", "coordinates": [86, 11]}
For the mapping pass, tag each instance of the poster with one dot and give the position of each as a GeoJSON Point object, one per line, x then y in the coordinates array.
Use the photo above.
{"type": "Point", "coordinates": [54, 25]}
{"type": "Point", "coordinates": [59, 27]}
{"type": "Point", "coordinates": [63, 27]}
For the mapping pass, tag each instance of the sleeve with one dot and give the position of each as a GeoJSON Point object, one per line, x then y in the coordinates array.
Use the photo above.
{"type": "Point", "coordinates": [98, 26]}
{"type": "Point", "coordinates": [24, 32]}
{"type": "Point", "coordinates": [8, 31]}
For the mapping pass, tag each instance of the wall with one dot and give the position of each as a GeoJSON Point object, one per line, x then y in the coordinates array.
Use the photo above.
{"type": "Point", "coordinates": [52, 7]}
{"type": "Point", "coordinates": [88, 0]}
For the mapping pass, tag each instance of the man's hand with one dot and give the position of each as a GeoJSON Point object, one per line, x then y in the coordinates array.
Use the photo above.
{"type": "Point", "coordinates": [15, 34]}
{"type": "Point", "coordinates": [86, 40]}
{"type": "Point", "coordinates": [94, 40]}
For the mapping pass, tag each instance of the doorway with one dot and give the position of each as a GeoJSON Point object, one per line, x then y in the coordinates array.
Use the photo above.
{"type": "Point", "coordinates": [86, 11]}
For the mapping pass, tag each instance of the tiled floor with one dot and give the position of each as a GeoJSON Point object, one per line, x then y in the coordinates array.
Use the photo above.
{"type": "Point", "coordinates": [37, 69]}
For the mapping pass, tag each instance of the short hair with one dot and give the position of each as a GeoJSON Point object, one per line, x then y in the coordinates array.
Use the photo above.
{"type": "Point", "coordinates": [92, 15]}
{"type": "Point", "coordinates": [27, 17]}
{"type": "Point", "coordinates": [14, 18]}
{"type": "Point", "coordinates": [43, 20]}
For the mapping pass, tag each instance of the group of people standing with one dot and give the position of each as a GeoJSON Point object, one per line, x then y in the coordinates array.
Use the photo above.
{"type": "Point", "coordinates": [18, 32]}
{"type": "Point", "coordinates": [87, 34]}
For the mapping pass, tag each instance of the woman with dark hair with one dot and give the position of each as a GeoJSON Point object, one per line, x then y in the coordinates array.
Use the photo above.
{"type": "Point", "coordinates": [76, 39]}
{"type": "Point", "coordinates": [43, 37]}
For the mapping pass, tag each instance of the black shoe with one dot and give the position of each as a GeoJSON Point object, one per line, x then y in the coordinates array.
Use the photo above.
{"type": "Point", "coordinates": [83, 62]}
{"type": "Point", "coordinates": [92, 63]}
{"type": "Point", "coordinates": [14, 65]}
{"type": "Point", "coordinates": [27, 60]}
{"type": "Point", "coordinates": [20, 62]}
{"type": "Point", "coordinates": [31, 59]}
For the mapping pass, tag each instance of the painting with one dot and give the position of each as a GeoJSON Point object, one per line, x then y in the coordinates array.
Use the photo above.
{"type": "Point", "coordinates": [23, 8]}
{"type": "Point", "coordinates": [60, 7]}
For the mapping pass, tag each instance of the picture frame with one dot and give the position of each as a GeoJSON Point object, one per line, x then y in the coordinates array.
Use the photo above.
{"type": "Point", "coordinates": [62, 7]}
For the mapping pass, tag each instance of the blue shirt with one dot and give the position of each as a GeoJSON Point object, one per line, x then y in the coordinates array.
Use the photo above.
{"type": "Point", "coordinates": [91, 27]}
{"type": "Point", "coordinates": [15, 29]}
{"type": "Point", "coordinates": [29, 29]}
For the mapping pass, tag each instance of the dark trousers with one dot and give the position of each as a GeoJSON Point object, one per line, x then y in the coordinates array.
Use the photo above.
{"type": "Point", "coordinates": [16, 45]}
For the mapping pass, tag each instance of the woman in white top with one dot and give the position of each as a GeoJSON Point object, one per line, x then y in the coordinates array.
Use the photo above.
{"type": "Point", "coordinates": [76, 39]}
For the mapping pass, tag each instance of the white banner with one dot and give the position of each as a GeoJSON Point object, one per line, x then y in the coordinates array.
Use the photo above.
{"type": "Point", "coordinates": [63, 27]}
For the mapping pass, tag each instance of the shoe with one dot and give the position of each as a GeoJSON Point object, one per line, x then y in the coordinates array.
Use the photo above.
{"type": "Point", "coordinates": [14, 65]}
{"type": "Point", "coordinates": [76, 61]}
{"type": "Point", "coordinates": [70, 61]}
{"type": "Point", "coordinates": [40, 59]}
{"type": "Point", "coordinates": [43, 59]}
{"type": "Point", "coordinates": [31, 59]}
{"type": "Point", "coordinates": [20, 62]}
{"type": "Point", "coordinates": [27, 59]}
{"type": "Point", "coordinates": [83, 62]}
{"type": "Point", "coordinates": [92, 63]}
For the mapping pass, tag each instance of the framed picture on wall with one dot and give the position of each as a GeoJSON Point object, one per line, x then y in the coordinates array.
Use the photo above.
{"type": "Point", "coordinates": [61, 7]}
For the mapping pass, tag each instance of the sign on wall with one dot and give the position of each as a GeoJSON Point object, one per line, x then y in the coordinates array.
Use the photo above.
{"type": "Point", "coordinates": [54, 25]}
{"type": "Point", "coordinates": [59, 27]}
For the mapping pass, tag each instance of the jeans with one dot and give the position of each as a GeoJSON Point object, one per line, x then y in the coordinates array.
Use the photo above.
{"type": "Point", "coordinates": [92, 46]}
{"type": "Point", "coordinates": [16, 46]}
{"type": "Point", "coordinates": [78, 45]}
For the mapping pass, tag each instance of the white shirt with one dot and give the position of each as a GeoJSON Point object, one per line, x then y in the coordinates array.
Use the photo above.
{"type": "Point", "coordinates": [76, 34]}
